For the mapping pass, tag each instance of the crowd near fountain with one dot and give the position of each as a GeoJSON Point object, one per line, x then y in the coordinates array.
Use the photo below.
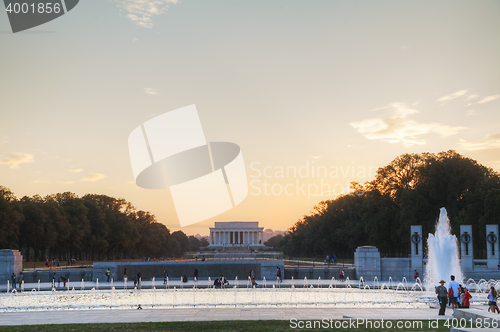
{"type": "Point", "coordinates": [443, 261]}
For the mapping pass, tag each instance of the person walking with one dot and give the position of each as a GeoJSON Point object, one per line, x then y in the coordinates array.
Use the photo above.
{"type": "Point", "coordinates": [492, 299]}
{"type": "Point", "coordinates": [13, 280]}
{"type": "Point", "coordinates": [415, 275]}
{"type": "Point", "coordinates": [108, 274]}
{"type": "Point", "coordinates": [195, 274]}
{"type": "Point", "coordinates": [442, 295]}
{"type": "Point", "coordinates": [165, 276]}
{"type": "Point", "coordinates": [21, 277]}
{"type": "Point", "coordinates": [453, 293]}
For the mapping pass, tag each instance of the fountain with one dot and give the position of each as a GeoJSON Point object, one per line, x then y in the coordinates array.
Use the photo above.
{"type": "Point", "coordinates": [291, 294]}
{"type": "Point", "coordinates": [443, 256]}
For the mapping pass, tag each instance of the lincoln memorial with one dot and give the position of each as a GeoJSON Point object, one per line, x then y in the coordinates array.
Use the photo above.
{"type": "Point", "coordinates": [236, 234]}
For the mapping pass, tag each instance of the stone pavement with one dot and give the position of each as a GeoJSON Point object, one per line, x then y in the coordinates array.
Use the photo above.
{"type": "Point", "coordinates": [210, 314]}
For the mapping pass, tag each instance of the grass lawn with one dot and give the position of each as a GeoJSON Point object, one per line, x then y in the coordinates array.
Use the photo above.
{"type": "Point", "coordinates": [268, 325]}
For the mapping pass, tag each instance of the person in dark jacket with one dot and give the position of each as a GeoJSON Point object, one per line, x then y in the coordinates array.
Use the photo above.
{"type": "Point", "coordinates": [13, 279]}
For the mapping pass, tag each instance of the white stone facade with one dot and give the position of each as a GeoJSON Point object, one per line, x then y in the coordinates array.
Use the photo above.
{"type": "Point", "coordinates": [236, 234]}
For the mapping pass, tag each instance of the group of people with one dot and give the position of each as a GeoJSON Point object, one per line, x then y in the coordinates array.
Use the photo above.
{"type": "Point", "coordinates": [456, 295]}
{"type": "Point", "coordinates": [221, 282]}
{"type": "Point", "coordinates": [54, 262]}
{"type": "Point", "coordinates": [154, 259]}
{"type": "Point", "coordinates": [15, 279]}
{"type": "Point", "coordinates": [330, 260]}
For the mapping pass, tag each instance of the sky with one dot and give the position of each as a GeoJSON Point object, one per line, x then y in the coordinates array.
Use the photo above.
{"type": "Point", "coordinates": [316, 94]}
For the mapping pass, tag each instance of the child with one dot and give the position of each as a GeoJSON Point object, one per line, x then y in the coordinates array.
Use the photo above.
{"type": "Point", "coordinates": [466, 298]}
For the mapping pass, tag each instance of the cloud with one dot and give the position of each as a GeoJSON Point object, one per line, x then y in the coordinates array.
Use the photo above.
{"type": "Point", "coordinates": [135, 39]}
{"type": "Point", "coordinates": [14, 159]}
{"type": "Point", "coordinates": [487, 99]}
{"type": "Point", "coordinates": [471, 112]}
{"type": "Point", "coordinates": [93, 177]}
{"type": "Point", "coordinates": [395, 127]}
{"type": "Point", "coordinates": [40, 181]}
{"type": "Point", "coordinates": [150, 91]}
{"type": "Point", "coordinates": [490, 142]}
{"type": "Point", "coordinates": [65, 182]}
{"type": "Point", "coordinates": [451, 96]}
{"type": "Point", "coordinates": [75, 170]}
{"type": "Point", "coordinates": [141, 11]}
{"type": "Point", "coordinates": [471, 97]}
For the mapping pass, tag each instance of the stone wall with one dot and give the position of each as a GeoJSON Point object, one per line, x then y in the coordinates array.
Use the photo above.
{"type": "Point", "coordinates": [367, 262]}
{"type": "Point", "coordinates": [397, 269]}
{"type": "Point", "coordinates": [313, 273]}
{"type": "Point", "coordinates": [213, 269]}
{"type": "Point", "coordinates": [45, 275]}
{"type": "Point", "coordinates": [11, 261]}
{"type": "Point", "coordinates": [369, 265]}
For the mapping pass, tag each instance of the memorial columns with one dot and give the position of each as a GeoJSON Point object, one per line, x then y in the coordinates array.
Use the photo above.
{"type": "Point", "coordinates": [237, 234]}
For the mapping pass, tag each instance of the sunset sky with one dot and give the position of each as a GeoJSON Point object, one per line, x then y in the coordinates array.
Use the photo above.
{"type": "Point", "coordinates": [344, 86]}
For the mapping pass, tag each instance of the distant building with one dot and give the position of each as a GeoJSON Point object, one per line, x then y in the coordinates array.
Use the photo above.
{"type": "Point", "coordinates": [269, 233]}
{"type": "Point", "coordinates": [236, 234]}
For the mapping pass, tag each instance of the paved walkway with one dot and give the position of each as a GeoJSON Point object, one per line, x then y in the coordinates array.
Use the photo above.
{"type": "Point", "coordinates": [210, 314]}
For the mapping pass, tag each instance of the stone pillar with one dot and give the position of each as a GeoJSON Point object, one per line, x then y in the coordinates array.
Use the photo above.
{"type": "Point", "coordinates": [11, 261]}
{"type": "Point", "coordinates": [492, 246]}
{"type": "Point", "coordinates": [416, 249]}
{"type": "Point", "coordinates": [466, 251]}
{"type": "Point", "coordinates": [367, 263]}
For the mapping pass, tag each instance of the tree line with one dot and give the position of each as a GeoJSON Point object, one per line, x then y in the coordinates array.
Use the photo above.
{"type": "Point", "coordinates": [410, 190]}
{"type": "Point", "coordinates": [92, 227]}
